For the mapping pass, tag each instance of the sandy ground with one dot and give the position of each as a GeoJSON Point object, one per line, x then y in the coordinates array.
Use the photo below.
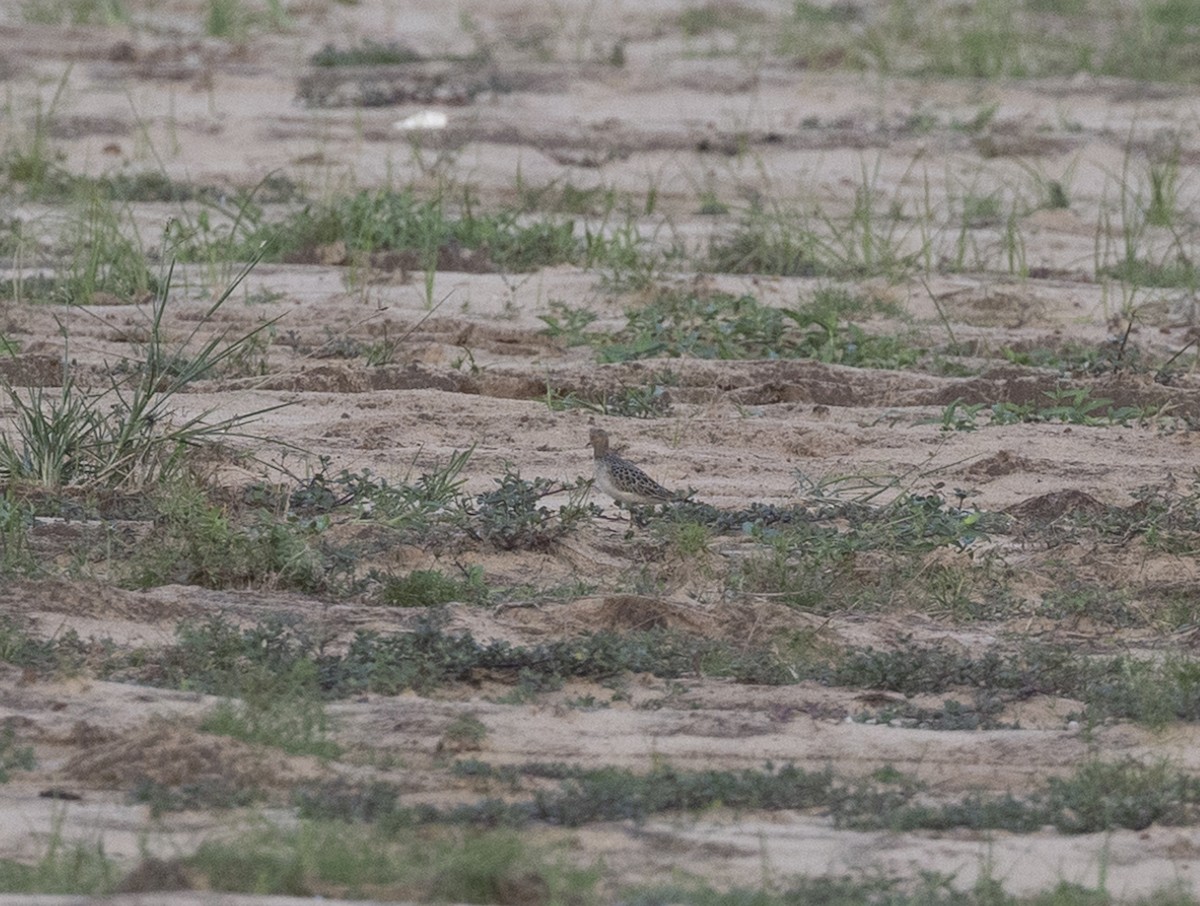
{"type": "Point", "coordinates": [679, 121]}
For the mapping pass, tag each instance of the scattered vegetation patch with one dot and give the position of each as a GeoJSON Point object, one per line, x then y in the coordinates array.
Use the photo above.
{"type": "Point", "coordinates": [512, 517]}
{"type": "Point", "coordinates": [74, 12]}
{"type": "Point", "coordinates": [872, 239]}
{"type": "Point", "coordinates": [982, 714]}
{"type": "Point", "coordinates": [1146, 41]}
{"type": "Point", "coordinates": [283, 710]}
{"type": "Point", "coordinates": [16, 520]}
{"type": "Point", "coordinates": [649, 400]}
{"type": "Point", "coordinates": [367, 53]}
{"type": "Point", "coordinates": [433, 508]}
{"type": "Point", "coordinates": [723, 326]}
{"type": "Point", "coordinates": [199, 542]}
{"type": "Point", "coordinates": [1099, 796]}
{"type": "Point", "coordinates": [64, 868]}
{"type": "Point", "coordinates": [420, 235]}
{"type": "Point", "coordinates": [206, 793]}
{"type": "Point", "coordinates": [334, 859]}
{"type": "Point", "coordinates": [66, 653]}
{"type": "Point", "coordinates": [213, 655]}
{"type": "Point", "coordinates": [1066, 405]}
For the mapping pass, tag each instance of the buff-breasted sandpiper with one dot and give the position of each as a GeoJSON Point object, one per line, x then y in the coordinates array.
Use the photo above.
{"type": "Point", "coordinates": [622, 480]}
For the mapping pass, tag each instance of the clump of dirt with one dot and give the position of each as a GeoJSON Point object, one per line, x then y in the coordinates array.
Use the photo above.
{"type": "Point", "coordinates": [1046, 508]}
{"type": "Point", "coordinates": [173, 755]}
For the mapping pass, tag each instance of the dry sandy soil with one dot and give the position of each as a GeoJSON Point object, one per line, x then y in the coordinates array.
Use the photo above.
{"type": "Point", "coordinates": [684, 122]}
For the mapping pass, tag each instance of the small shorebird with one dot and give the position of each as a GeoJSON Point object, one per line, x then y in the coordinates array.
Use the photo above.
{"type": "Point", "coordinates": [622, 480]}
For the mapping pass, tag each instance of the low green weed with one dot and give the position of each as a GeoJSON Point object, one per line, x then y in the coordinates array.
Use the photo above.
{"type": "Point", "coordinates": [626, 260]}
{"type": "Point", "coordinates": [566, 198]}
{"type": "Point", "coordinates": [953, 715]}
{"type": "Point", "coordinates": [1067, 405]}
{"type": "Point", "coordinates": [614, 794]}
{"type": "Point", "coordinates": [210, 656]}
{"type": "Point", "coordinates": [509, 517]}
{"type": "Point", "coordinates": [213, 655]}
{"type": "Point", "coordinates": [708, 17]}
{"type": "Point", "coordinates": [282, 710]}
{"type": "Point", "coordinates": [65, 653]}
{"type": "Point", "coordinates": [102, 258]}
{"type": "Point", "coordinates": [411, 506]}
{"type": "Point", "coordinates": [649, 400]}
{"type": "Point", "coordinates": [723, 326]}
{"type": "Point", "coordinates": [1126, 793]}
{"type": "Point", "coordinates": [568, 324]}
{"type": "Point", "coordinates": [512, 517]}
{"type": "Point", "coordinates": [1087, 359]}
{"type": "Point", "coordinates": [465, 733]}
{"type": "Point", "coordinates": [1080, 601]}
{"type": "Point", "coordinates": [201, 543]}
{"type": "Point", "coordinates": [872, 239]}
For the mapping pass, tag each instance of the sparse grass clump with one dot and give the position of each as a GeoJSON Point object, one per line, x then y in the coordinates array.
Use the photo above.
{"type": "Point", "coordinates": [13, 757]}
{"type": "Point", "coordinates": [424, 235]}
{"type": "Point", "coordinates": [871, 239]}
{"type": "Point", "coordinates": [432, 587]}
{"type": "Point", "coordinates": [412, 506]}
{"type": "Point", "coordinates": [235, 19]}
{"type": "Point", "coordinates": [283, 710]}
{"type": "Point", "coordinates": [612, 794]}
{"type": "Point", "coordinates": [712, 16]}
{"type": "Point", "coordinates": [431, 866]}
{"type": "Point", "coordinates": [16, 520]}
{"type": "Point", "coordinates": [65, 653]}
{"type": "Point", "coordinates": [205, 793]}
{"type": "Point", "coordinates": [768, 246]}
{"type": "Point", "coordinates": [74, 12]}
{"type": "Point", "coordinates": [126, 432]}
{"type": "Point", "coordinates": [210, 656]}
{"type": "Point", "coordinates": [875, 557]}
{"type": "Point", "coordinates": [1147, 41]}
{"type": "Point", "coordinates": [97, 258]}
{"type": "Point", "coordinates": [64, 868]}
{"type": "Point", "coordinates": [569, 324]}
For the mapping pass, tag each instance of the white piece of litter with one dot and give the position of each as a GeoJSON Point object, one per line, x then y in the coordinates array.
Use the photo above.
{"type": "Point", "coordinates": [426, 119]}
